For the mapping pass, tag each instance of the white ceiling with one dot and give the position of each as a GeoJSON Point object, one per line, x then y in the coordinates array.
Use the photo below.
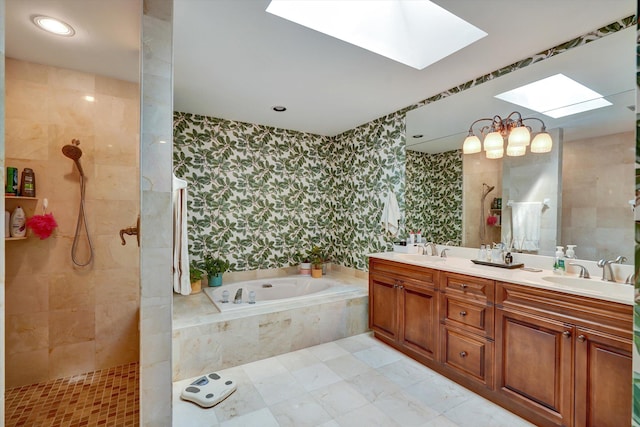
{"type": "Point", "coordinates": [235, 61]}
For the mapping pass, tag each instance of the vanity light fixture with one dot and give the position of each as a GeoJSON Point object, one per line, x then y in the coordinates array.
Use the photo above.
{"type": "Point", "coordinates": [513, 128]}
{"type": "Point", "coordinates": [53, 25]}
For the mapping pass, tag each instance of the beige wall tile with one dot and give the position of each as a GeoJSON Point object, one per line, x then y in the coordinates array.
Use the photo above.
{"type": "Point", "coordinates": [27, 368]}
{"type": "Point", "coordinates": [72, 359]}
{"type": "Point", "coordinates": [71, 326]}
{"type": "Point", "coordinates": [70, 290]}
{"type": "Point", "coordinates": [116, 333]}
{"type": "Point", "coordinates": [27, 294]}
{"type": "Point", "coordinates": [26, 332]}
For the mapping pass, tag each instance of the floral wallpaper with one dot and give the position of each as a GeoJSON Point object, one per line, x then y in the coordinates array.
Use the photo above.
{"type": "Point", "coordinates": [257, 196]}
{"type": "Point", "coordinates": [433, 195]}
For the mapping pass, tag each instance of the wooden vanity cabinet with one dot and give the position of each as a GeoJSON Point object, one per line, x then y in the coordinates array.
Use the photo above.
{"type": "Point", "coordinates": [565, 357]}
{"type": "Point", "coordinates": [553, 358]}
{"type": "Point", "coordinates": [466, 312]}
{"type": "Point", "coordinates": [403, 307]}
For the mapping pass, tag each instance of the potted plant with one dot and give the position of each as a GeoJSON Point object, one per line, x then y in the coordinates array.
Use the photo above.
{"type": "Point", "coordinates": [317, 259]}
{"type": "Point", "coordinates": [195, 276]}
{"type": "Point", "coordinates": [214, 267]}
{"type": "Point", "coordinates": [304, 264]}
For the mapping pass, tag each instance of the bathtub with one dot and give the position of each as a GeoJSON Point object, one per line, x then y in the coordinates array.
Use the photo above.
{"type": "Point", "coordinates": [296, 312]}
{"type": "Point", "coordinates": [275, 291]}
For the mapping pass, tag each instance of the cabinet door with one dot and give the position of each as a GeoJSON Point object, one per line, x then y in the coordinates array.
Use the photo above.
{"type": "Point", "coordinates": [603, 379]}
{"type": "Point", "coordinates": [418, 318]}
{"type": "Point", "coordinates": [383, 317]}
{"type": "Point", "coordinates": [534, 363]}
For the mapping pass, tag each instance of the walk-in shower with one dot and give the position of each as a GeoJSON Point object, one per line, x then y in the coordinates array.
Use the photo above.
{"type": "Point", "coordinates": [74, 152]}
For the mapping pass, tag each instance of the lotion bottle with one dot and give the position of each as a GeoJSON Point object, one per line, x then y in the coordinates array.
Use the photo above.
{"type": "Point", "coordinates": [558, 263]}
{"type": "Point", "coordinates": [18, 223]}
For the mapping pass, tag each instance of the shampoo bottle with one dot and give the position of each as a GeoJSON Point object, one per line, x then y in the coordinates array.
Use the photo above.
{"type": "Point", "coordinates": [18, 223]}
{"type": "Point", "coordinates": [558, 263]}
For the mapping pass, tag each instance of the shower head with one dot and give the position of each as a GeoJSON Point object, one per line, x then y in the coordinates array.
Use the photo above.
{"type": "Point", "coordinates": [74, 152]}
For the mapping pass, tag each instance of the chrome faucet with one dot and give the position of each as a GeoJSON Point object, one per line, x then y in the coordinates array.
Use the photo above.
{"type": "Point", "coordinates": [606, 267]}
{"type": "Point", "coordinates": [432, 246]}
{"type": "Point", "coordinates": [631, 279]}
{"type": "Point", "coordinates": [238, 298]}
{"type": "Point", "coordinates": [584, 273]}
{"type": "Point", "coordinates": [443, 254]}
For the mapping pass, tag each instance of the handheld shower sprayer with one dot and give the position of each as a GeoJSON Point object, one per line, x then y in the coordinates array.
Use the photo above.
{"type": "Point", "coordinates": [74, 152]}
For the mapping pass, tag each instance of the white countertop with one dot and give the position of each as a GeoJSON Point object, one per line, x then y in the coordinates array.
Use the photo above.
{"type": "Point", "coordinates": [546, 279]}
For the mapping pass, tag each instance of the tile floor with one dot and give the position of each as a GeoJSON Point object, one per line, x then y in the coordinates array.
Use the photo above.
{"type": "Point", "coordinates": [352, 382]}
{"type": "Point", "coordinates": [102, 398]}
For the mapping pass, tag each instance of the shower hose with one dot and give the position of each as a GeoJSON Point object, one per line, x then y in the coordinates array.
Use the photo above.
{"type": "Point", "coordinates": [82, 219]}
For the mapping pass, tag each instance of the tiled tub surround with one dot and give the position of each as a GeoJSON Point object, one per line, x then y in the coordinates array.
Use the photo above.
{"type": "Point", "coordinates": [205, 340]}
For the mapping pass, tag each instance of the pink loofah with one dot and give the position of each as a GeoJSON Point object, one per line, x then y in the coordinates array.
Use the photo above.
{"type": "Point", "coordinates": [42, 225]}
{"type": "Point", "coordinates": [492, 220]}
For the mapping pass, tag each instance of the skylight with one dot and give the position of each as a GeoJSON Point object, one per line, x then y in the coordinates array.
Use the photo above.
{"type": "Point", "coordinates": [415, 33]}
{"type": "Point", "coordinates": [556, 96]}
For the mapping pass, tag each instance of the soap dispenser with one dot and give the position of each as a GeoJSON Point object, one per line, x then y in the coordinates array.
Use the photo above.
{"type": "Point", "coordinates": [558, 262]}
{"type": "Point", "coordinates": [571, 253]}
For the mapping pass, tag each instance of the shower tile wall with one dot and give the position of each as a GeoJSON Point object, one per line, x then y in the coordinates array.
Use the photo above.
{"type": "Point", "coordinates": [596, 189]}
{"type": "Point", "coordinates": [62, 320]}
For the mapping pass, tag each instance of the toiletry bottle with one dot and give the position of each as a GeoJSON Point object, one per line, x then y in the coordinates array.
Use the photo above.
{"type": "Point", "coordinates": [558, 262]}
{"type": "Point", "coordinates": [571, 253]}
{"type": "Point", "coordinates": [482, 253]}
{"type": "Point", "coordinates": [28, 183]}
{"type": "Point", "coordinates": [18, 223]}
{"type": "Point", "coordinates": [412, 237]}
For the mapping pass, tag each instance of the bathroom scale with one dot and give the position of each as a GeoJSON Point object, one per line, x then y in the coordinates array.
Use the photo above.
{"type": "Point", "coordinates": [208, 390]}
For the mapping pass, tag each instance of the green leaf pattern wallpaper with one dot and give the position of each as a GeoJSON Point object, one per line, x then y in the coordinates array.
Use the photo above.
{"type": "Point", "coordinates": [433, 193]}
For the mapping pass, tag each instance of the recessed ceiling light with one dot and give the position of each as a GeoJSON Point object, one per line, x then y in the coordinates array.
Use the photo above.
{"type": "Point", "coordinates": [418, 135]}
{"type": "Point", "coordinates": [279, 108]}
{"type": "Point", "coordinates": [89, 98]}
{"type": "Point", "coordinates": [415, 33]}
{"type": "Point", "coordinates": [53, 25]}
{"type": "Point", "coordinates": [556, 96]}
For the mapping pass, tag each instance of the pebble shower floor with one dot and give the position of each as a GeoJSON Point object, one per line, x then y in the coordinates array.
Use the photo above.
{"type": "Point", "coordinates": [104, 398]}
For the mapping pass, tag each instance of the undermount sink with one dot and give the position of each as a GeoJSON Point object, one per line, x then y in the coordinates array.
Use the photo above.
{"type": "Point", "coordinates": [594, 286]}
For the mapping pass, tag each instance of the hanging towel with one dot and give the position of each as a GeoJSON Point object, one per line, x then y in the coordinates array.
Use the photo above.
{"type": "Point", "coordinates": [181, 281]}
{"type": "Point", "coordinates": [525, 225]}
{"type": "Point", "coordinates": [390, 218]}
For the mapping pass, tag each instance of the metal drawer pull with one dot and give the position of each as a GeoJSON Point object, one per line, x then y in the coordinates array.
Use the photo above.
{"type": "Point", "coordinates": [582, 338]}
{"type": "Point", "coordinates": [464, 286]}
{"type": "Point", "coordinates": [463, 313]}
{"type": "Point", "coordinates": [463, 354]}
{"type": "Point", "coordinates": [567, 334]}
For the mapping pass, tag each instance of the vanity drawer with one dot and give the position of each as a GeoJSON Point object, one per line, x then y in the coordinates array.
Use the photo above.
{"type": "Point", "coordinates": [472, 317]}
{"type": "Point", "coordinates": [468, 355]}
{"type": "Point", "coordinates": [474, 289]}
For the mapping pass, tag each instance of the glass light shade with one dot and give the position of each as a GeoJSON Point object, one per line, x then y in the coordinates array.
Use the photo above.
{"type": "Point", "coordinates": [471, 145]}
{"type": "Point", "coordinates": [516, 150]}
{"type": "Point", "coordinates": [493, 141]}
{"type": "Point", "coordinates": [519, 136]}
{"type": "Point", "coordinates": [541, 143]}
{"type": "Point", "coordinates": [496, 153]}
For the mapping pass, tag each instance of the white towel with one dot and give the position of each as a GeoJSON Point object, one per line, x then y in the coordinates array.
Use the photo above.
{"type": "Point", "coordinates": [181, 280]}
{"type": "Point", "coordinates": [525, 225]}
{"type": "Point", "coordinates": [390, 218]}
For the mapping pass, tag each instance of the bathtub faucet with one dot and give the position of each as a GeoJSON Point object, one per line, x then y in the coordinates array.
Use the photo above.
{"type": "Point", "coordinates": [238, 298]}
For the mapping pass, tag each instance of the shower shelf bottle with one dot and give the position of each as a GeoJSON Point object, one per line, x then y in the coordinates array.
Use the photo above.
{"type": "Point", "coordinates": [558, 261]}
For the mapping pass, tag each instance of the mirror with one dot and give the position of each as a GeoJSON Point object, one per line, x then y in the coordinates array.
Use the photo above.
{"type": "Point", "coordinates": [595, 185]}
